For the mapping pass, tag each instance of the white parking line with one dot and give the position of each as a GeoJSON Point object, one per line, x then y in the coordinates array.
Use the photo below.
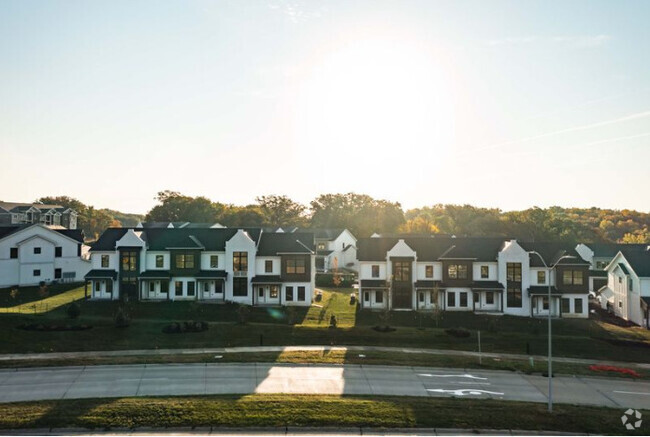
{"type": "Point", "coordinates": [464, 391]}
{"type": "Point", "coordinates": [632, 393]}
{"type": "Point", "coordinates": [453, 376]}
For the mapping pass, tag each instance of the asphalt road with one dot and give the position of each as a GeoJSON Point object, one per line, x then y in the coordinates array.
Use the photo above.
{"type": "Point", "coordinates": [195, 379]}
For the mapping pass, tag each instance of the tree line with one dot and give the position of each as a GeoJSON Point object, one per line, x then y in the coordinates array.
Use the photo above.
{"type": "Point", "coordinates": [365, 215]}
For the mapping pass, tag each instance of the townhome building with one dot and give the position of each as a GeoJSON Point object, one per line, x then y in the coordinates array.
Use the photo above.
{"type": "Point", "coordinates": [627, 292]}
{"type": "Point", "coordinates": [247, 266]}
{"type": "Point", "coordinates": [335, 249]}
{"type": "Point", "coordinates": [13, 213]}
{"type": "Point", "coordinates": [492, 275]}
{"type": "Point", "coordinates": [31, 254]}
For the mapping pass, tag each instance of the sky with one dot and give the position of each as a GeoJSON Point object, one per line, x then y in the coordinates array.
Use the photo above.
{"type": "Point", "coordinates": [505, 104]}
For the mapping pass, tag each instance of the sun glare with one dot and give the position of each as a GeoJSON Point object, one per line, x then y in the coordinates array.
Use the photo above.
{"type": "Point", "coordinates": [375, 100]}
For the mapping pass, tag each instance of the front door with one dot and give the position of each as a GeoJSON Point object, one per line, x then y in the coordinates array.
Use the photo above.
{"type": "Point", "coordinates": [402, 284]}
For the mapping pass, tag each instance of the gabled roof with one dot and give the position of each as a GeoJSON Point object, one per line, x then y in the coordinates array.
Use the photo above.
{"type": "Point", "coordinates": [639, 259]}
{"type": "Point", "coordinates": [277, 243]}
{"type": "Point", "coordinates": [74, 234]}
{"type": "Point", "coordinates": [609, 250]}
{"type": "Point", "coordinates": [475, 248]}
{"type": "Point", "coordinates": [552, 252]}
{"type": "Point", "coordinates": [325, 233]}
{"type": "Point", "coordinates": [19, 206]}
{"type": "Point", "coordinates": [433, 249]}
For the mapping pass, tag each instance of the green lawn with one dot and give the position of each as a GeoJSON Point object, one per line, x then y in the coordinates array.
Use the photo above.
{"type": "Point", "coordinates": [34, 295]}
{"type": "Point", "coordinates": [269, 326]}
{"type": "Point", "coordinates": [303, 410]}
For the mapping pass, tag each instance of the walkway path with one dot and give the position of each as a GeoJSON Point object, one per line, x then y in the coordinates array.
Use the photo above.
{"type": "Point", "coordinates": [200, 379]}
{"type": "Point", "coordinates": [279, 349]}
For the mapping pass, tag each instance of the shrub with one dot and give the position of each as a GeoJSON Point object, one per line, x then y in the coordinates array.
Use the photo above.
{"type": "Point", "coordinates": [457, 332]}
{"type": "Point", "coordinates": [243, 311]}
{"type": "Point", "coordinates": [333, 321]}
{"type": "Point", "coordinates": [122, 319]}
{"type": "Point", "coordinates": [190, 326]}
{"type": "Point", "coordinates": [331, 280]}
{"type": "Point", "coordinates": [73, 310]}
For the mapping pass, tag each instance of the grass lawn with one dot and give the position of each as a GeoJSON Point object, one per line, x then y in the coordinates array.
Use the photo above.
{"type": "Point", "coordinates": [269, 326]}
{"type": "Point", "coordinates": [304, 410]}
{"type": "Point", "coordinates": [30, 301]}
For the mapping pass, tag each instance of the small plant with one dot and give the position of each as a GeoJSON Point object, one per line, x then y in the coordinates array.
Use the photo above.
{"type": "Point", "coordinates": [458, 332]}
{"type": "Point", "coordinates": [353, 298]}
{"type": "Point", "coordinates": [14, 293]}
{"type": "Point", "coordinates": [319, 295]}
{"type": "Point", "coordinates": [333, 321]}
{"type": "Point", "coordinates": [42, 289]}
{"type": "Point", "coordinates": [385, 315]}
{"type": "Point", "coordinates": [243, 311]}
{"type": "Point", "coordinates": [122, 319]}
{"type": "Point", "coordinates": [73, 310]}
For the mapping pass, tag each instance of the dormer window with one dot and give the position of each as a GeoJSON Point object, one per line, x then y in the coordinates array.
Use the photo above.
{"type": "Point", "coordinates": [457, 271]}
{"type": "Point", "coordinates": [375, 271]}
{"type": "Point", "coordinates": [428, 271]}
{"type": "Point", "coordinates": [485, 272]}
{"type": "Point", "coordinates": [104, 261]}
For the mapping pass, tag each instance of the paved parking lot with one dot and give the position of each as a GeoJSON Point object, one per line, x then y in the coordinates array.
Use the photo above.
{"type": "Point", "coordinates": [193, 379]}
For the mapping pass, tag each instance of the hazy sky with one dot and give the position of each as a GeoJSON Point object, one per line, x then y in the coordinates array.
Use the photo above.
{"type": "Point", "coordinates": [507, 104]}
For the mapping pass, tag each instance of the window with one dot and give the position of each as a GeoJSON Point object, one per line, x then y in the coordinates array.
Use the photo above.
{"type": "Point", "coordinates": [214, 261]}
{"type": "Point", "coordinates": [240, 261]}
{"type": "Point", "coordinates": [275, 291]}
{"type": "Point", "coordinates": [485, 272]}
{"type": "Point", "coordinates": [164, 287]}
{"type": "Point", "coordinates": [129, 261]}
{"type": "Point", "coordinates": [240, 286]}
{"type": "Point", "coordinates": [366, 296]}
{"type": "Point", "coordinates": [185, 261]}
{"type": "Point", "coordinates": [477, 298]}
{"type": "Point", "coordinates": [564, 305]}
{"type": "Point", "coordinates": [541, 277]}
{"type": "Point", "coordinates": [190, 288]}
{"type": "Point", "coordinates": [428, 271]}
{"type": "Point", "coordinates": [514, 297]}
{"type": "Point", "coordinates": [630, 284]}
{"type": "Point", "coordinates": [489, 298]}
{"type": "Point", "coordinates": [57, 273]}
{"type": "Point", "coordinates": [379, 296]}
{"type": "Point", "coordinates": [577, 306]}
{"type": "Point", "coordinates": [218, 286]}
{"type": "Point", "coordinates": [321, 246]}
{"type": "Point", "coordinates": [260, 292]}
{"type": "Point", "coordinates": [160, 261]}
{"type": "Point", "coordinates": [13, 252]}
{"type": "Point", "coordinates": [463, 299]}
{"type": "Point", "coordinates": [289, 294]}
{"type": "Point", "coordinates": [98, 286]}
{"type": "Point", "coordinates": [572, 277]}
{"type": "Point", "coordinates": [37, 250]}
{"type": "Point", "coordinates": [109, 286]}
{"type": "Point", "coordinates": [513, 272]}
{"type": "Point", "coordinates": [545, 302]}
{"type": "Point", "coordinates": [600, 265]}
{"type": "Point", "coordinates": [402, 271]}
{"type": "Point", "coordinates": [457, 271]}
{"type": "Point", "coordinates": [37, 272]}
{"type": "Point", "coordinates": [620, 304]}
{"type": "Point", "coordinates": [421, 297]}
{"type": "Point", "coordinates": [268, 266]}
{"type": "Point", "coordinates": [152, 286]}
{"type": "Point", "coordinates": [451, 299]}
{"type": "Point", "coordinates": [295, 266]}
{"type": "Point", "coordinates": [206, 287]}
{"type": "Point", "coordinates": [620, 280]}
{"type": "Point", "coordinates": [179, 288]}
{"type": "Point", "coordinates": [58, 251]}
{"type": "Point", "coordinates": [104, 261]}
{"type": "Point", "coordinates": [375, 271]}
{"type": "Point", "coordinates": [301, 294]}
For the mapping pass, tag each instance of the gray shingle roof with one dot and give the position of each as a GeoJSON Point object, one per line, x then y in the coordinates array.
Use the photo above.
{"type": "Point", "coordinates": [639, 259]}
{"type": "Point", "coordinates": [552, 252]}
{"type": "Point", "coordinates": [433, 249]}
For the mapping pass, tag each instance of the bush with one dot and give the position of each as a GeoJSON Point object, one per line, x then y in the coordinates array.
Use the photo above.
{"type": "Point", "coordinates": [333, 321]}
{"type": "Point", "coordinates": [122, 319]}
{"type": "Point", "coordinates": [73, 310]}
{"type": "Point", "coordinates": [457, 332]}
{"type": "Point", "coordinates": [243, 311]}
{"type": "Point", "coordinates": [183, 327]}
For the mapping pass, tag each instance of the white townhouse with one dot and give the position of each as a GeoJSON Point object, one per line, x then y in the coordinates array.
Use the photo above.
{"type": "Point", "coordinates": [247, 266]}
{"type": "Point", "coordinates": [627, 292]}
{"type": "Point", "coordinates": [13, 213]}
{"type": "Point", "coordinates": [493, 275]}
{"type": "Point", "coordinates": [335, 248]}
{"type": "Point", "coordinates": [31, 254]}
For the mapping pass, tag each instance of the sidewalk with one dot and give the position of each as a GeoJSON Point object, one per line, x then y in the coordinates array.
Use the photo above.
{"type": "Point", "coordinates": [256, 349]}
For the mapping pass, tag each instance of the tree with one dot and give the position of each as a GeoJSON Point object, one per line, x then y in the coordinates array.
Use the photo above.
{"type": "Point", "coordinates": [281, 211]}
{"type": "Point", "coordinates": [175, 207]}
{"type": "Point", "coordinates": [359, 213]}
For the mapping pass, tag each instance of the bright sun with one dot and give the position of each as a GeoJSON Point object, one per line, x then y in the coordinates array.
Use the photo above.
{"type": "Point", "coordinates": [375, 100]}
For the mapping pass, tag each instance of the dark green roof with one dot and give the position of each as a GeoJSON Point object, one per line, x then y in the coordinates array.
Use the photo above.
{"type": "Point", "coordinates": [101, 274]}
{"type": "Point", "coordinates": [211, 274]}
{"type": "Point", "coordinates": [75, 234]}
{"type": "Point", "coordinates": [266, 279]}
{"type": "Point", "coordinates": [155, 274]}
{"type": "Point", "coordinates": [277, 243]}
{"type": "Point", "coordinates": [433, 249]}
{"type": "Point", "coordinates": [639, 259]}
{"type": "Point", "coordinates": [486, 285]}
{"type": "Point", "coordinates": [378, 283]}
{"type": "Point", "coordinates": [609, 250]}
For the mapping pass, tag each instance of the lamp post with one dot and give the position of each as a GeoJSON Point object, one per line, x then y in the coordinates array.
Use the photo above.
{"type": "Point", "coordinates": [550, 306]}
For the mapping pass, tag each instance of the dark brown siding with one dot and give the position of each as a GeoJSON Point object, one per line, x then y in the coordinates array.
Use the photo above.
{"type": "Point", "coordinates": [567, 288]}
{"type": "Point", "coordinates": [456, 282]}
{"type": "Point", "coordinates": [296, 277]}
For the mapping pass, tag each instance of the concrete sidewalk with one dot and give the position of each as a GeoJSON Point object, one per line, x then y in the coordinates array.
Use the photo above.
{"type": "Point", "coordinates": [279, 349]}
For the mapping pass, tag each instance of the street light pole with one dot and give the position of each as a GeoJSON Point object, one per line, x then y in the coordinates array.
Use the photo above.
{"type": "Point", "coordinates": [550, 343]}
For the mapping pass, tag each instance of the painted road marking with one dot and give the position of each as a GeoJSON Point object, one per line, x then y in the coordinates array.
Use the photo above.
{"type": "Point", "coordinates": [632, 393]}
{"type": "Point", "coordinates": [452, 376]}
{"type": "Point", "coordinates": [465, 391]}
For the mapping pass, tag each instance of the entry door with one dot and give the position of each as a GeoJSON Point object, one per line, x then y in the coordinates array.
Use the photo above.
{"type": "Point", "coordinates": [402, 284]}
{"type": "Point", "coordinates": [261, 294]}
